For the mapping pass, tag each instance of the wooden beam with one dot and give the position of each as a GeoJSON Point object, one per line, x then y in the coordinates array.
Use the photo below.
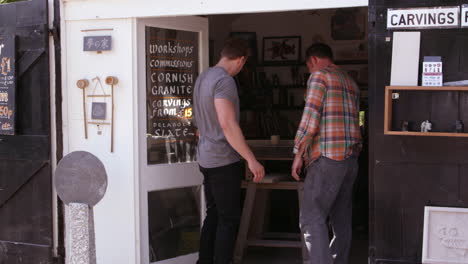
{"type": "Point", "coordinates": [244, 223]}
{"type": "Point", "coordinates": [275, 243]}
{"type": "Point", "coordinates": [427, 88]}
{"type": "Point", "coordinates": [292, 185]}
{"type": "Point", "coordinates": [427, 134]}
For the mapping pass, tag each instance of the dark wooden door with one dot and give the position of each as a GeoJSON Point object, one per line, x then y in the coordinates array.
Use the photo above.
{"type": "Point", "coordinates": [408, 173]}
{"type": "Point", "coordinates": [25, 170]}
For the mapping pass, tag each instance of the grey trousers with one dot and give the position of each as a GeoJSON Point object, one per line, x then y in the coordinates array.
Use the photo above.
{"type": "Point", "coordinates": [327, 194]}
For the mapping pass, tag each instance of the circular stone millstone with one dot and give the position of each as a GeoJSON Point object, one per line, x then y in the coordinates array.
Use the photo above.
{"type": "Point", "coordinates": [81, 178]}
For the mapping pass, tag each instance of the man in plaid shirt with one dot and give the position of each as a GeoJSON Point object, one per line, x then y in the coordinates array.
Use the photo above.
{"type": "Point", "coordinates": [327, 143]}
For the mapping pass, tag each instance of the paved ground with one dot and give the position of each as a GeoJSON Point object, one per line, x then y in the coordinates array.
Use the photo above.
{"type": "Point", "coordinates": [293, 256]}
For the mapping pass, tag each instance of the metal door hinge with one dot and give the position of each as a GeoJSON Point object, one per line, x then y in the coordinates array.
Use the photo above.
{"type": "Point", "coordinates": [55, 33]}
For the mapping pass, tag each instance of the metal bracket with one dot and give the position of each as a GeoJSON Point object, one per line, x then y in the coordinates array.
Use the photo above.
{"type": "Point", "coordinates": [55, 33]}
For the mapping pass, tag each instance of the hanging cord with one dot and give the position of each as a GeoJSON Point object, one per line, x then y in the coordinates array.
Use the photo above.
{"type": "Point", "coordinates": [97, 82]}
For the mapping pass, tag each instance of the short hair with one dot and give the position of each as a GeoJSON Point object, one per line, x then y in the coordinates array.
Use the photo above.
{"type": "Point", "coordinates": [235, 48]}
{"type": "Point", "coordinates": [319, 50]}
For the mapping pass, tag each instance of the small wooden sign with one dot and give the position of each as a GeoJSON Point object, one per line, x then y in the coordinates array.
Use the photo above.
{"type": "Point", "coordinates": [7, 85]}
{"type": "Point", "coordinates": [97, 43]}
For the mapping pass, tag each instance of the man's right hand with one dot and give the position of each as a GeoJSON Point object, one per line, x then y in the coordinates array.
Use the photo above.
{"type": "Point", "coordinates": [257, 170]}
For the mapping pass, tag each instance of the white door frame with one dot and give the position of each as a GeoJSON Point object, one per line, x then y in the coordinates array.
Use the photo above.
{"type": "Point", "coordinates": [164, 176]}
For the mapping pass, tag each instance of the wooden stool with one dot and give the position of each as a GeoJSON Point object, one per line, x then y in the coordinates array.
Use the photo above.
{"type": "Point", "coordinates": [242, 238]}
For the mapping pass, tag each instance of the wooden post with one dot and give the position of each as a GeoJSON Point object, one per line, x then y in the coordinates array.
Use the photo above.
{"type": "Point", "coordinates": [82, 84]}
{"type": "Point", "coordinates": [245, 223]}
{"type": "Point", "coordinates": [112, 81]}
{"type": "Point", "coordinates": [112, 121]}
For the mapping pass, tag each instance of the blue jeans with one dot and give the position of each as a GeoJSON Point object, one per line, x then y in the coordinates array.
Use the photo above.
{"type": "Point", "coordinates": [222, 193]}
{"type": "Point", "coordinates": [328, 195]}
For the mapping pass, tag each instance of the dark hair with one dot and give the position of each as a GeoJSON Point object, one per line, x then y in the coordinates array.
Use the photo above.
{"type": "Point", "coordinates": [319, 50]}
{"type": "Point", "coordinates": [235, 48]}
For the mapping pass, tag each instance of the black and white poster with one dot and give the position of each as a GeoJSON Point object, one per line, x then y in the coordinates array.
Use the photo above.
{"type": "Point", "coordinates": [7, 85]}
{"type": "Point", "coordinates": [172, 65]}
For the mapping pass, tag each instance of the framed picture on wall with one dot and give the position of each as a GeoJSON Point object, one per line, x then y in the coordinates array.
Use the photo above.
{"type": "Point", "coordinates": [359, 73]}
{"type": "Point", "coordinates": [445, 238]}
{"type": "Point", "coordinates": [277, 50]}
{"type": "Point", "coordinates": [353, 51]}
{"type": "Point", "coordinates": [349, 24]}
{"type": "Point", "coordinates": [251, 38]}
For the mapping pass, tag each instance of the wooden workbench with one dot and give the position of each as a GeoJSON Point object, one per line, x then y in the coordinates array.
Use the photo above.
{"type": "Point", "coordinates": [264, 150]}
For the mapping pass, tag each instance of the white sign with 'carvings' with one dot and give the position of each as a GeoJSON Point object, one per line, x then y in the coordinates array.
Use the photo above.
{"type": "Point", "coordinates": [445, 235]}
{"type": "Point", "coordinates": [431, 17]}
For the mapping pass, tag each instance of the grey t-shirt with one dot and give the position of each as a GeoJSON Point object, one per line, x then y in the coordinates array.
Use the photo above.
{"type": "Point", "coordinates": [213, 148]}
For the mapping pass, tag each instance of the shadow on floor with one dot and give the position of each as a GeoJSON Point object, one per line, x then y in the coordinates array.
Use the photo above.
{"type": "Point", "coordinates": [257, 255]}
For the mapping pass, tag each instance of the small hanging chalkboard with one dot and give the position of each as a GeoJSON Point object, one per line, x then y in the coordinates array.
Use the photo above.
{"type": "Point", "coordinates": [98, 110]}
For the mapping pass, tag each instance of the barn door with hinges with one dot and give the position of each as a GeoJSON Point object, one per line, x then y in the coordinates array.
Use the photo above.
{"type": "Point", "coordinates": [26, 232]}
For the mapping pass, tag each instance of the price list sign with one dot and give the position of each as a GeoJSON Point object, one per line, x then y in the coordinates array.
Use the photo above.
{"type": "Point", "coordinates": [432, 71]}
{"type": "Point", "coordinates": [172, 65]}
{"type": "Point", "coordinates": [7, 85]}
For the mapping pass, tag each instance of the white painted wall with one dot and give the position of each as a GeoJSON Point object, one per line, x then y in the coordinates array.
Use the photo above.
{"type": "Point", "coordinates": [115, 222]}
{"type": "Point", "coordinates": [310, 25]}
{"type": "Point", "coordinates": [86, 9]}
{"type": "Point", "coordinates": [120, 239]}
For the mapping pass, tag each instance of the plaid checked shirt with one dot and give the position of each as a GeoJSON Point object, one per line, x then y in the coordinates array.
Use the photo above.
{"type": "Point", "coordinates": [330, 122]}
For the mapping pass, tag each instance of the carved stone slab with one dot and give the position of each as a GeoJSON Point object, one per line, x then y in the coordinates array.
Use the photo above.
{"type": "Point", "coordinates": [445, 235]}
{"type": "Point", "coordinates": [81, 178]}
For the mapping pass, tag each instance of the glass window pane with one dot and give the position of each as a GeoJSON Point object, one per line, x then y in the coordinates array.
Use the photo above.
{"type": "Point", "coordinates": [172, 65]}
{"type": "Point", "coordinates": [174, 222]}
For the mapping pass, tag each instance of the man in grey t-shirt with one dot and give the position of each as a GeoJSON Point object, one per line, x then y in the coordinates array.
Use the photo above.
{"type": "Point", "coordinates": [213, 148]}
{"type": "Point", "coordinates": [221, 144]}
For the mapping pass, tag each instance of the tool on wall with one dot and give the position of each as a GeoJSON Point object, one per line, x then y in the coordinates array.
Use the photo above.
{"type": "Point", "coordinates": [111, 80]}
{"type": "Point", "coordinates": [82, 84]}
{"type": "Point", "coordinates": [98, 115]}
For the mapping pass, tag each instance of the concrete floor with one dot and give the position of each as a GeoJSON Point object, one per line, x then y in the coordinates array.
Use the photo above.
{"type": "Point", "coordinates": [293, 256]}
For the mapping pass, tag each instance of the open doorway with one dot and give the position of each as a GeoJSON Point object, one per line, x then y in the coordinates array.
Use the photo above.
{"type": "Point", "coordinates": [271, 89]}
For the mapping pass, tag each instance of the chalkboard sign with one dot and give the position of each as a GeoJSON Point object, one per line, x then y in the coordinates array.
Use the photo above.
{"type": "Point", "coordinates": [172, 58]}
{"type": "Point", "coordinates": [7, 85]}
{"type": "Point", "coordinates": [97, 43]}
{"type": "Point", "coordinates": [98, 111]}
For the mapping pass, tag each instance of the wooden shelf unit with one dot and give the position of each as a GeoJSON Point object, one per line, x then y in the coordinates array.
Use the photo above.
{"type": "Point", "coordinates": [388, 110]}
